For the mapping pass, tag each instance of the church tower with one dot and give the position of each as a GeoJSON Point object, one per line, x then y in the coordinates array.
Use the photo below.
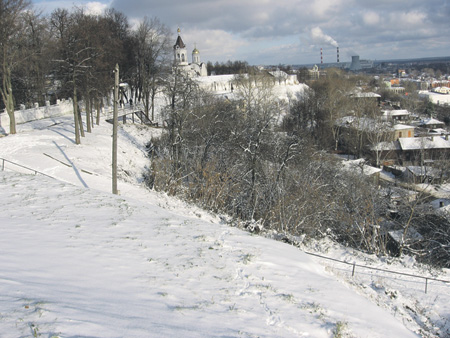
{"type": "Point", "coordinates": [196, 56]}
{"type": "Point", "coordinates": [180, 52]}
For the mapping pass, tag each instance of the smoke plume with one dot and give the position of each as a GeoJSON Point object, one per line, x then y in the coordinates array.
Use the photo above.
{"type": "Point", "coordinates": [320, 37]}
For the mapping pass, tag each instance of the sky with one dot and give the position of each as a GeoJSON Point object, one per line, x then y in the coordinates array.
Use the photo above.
{"type": "Point", "coordinates": [293, 31]}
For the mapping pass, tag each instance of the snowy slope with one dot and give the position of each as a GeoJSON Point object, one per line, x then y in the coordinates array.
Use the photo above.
{"type": "Point", "coordinates": [77, 261]}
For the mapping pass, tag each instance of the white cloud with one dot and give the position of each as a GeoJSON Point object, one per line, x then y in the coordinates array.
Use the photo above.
{"type": "Point", "coordinates": [371, 18]}
{"type": "Point", "coordinates": [324, 8]}
{"type": "Point", "coordinates": [91, 7]}
{"type": "Point", "coordinates": [95, 8]}
{"type": "Point", "coordinates": [413, 19]}
{"type": "Point", "coordinates": [213, 44]}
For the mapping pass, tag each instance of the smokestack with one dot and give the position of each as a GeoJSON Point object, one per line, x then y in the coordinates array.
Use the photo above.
{"type": "Point", "coordinates": [321, 56]}
{"type": "Point", "coordinates": [337, 54]}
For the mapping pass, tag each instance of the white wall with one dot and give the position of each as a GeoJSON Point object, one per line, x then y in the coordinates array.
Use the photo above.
{"type": "Point", "coordinates": [440, 99]}
{"type": "Point", "coordinates": [63, 107]}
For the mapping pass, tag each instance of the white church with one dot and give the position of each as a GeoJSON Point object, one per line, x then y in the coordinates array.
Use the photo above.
{"type": "Point", "coordinates": [286, 86]}
{"type": "Point", "coordinates": [196, 68]}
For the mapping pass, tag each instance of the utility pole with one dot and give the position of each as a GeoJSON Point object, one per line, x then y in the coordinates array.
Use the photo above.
{"type": "Point", "coordinates": [114, 136]}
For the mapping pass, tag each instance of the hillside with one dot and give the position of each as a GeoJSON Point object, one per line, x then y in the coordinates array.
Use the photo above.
{"type": "Point", "coordinates": [78, 261]}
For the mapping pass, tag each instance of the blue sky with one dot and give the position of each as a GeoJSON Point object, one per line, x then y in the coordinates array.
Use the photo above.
{"type": "Point", "coordinates": [292, 32]}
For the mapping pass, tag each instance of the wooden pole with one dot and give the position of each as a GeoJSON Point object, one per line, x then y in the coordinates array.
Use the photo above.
{"type": "Point", "coordinates": [114, 136]}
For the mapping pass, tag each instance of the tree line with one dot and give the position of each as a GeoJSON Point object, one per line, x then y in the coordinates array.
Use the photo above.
{"type": "Point", "coordinates": [70, 53]}
{"type": "Point", "coordinates": [233, 157]}
{"type": "Point", "coordinates": [229, 67]}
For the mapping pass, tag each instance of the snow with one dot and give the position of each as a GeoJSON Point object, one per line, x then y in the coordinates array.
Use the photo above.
{"type": "Point", "coordinates": [215, 78]}
{"type": "Point", "coordinates": [63, 107]}
{"type": "Point", "coordinates": [385, 146]}
{"type": "Point", "coordinates": [437, 98]}
{"type": "Point", "coordinates": [417, 143]}
{"type": "Point", "coordinates": [399, 126]}
{"type": "Point", "coordinates": [439, 131]}
{"type": "Point", "coordinates": [431, 121]}
{"type": "Point", "coordinates": [78, 261]}
{"type": "Point", "coordinates": [366, 95]}
{"type": "Point", "coordinates": [395, 112]}
{"type": "Point", "coordinates": [359, 166]}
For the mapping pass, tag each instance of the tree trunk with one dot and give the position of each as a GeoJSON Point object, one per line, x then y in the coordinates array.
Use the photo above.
{"type": "Point", "coordinates": [91, 104]}
{"type": "Point", "coordinates": [147, 103]}
{"type": "Point", "coordinates": [8, 98]}
{"type": "Point", "coordinates": [80, 121]}
{"type": "Point", "coordinates": [153, 98]}
{"type": "Point", "coordinates": [98, 106]}
{"type": "Point", "coordinates": [75, 115]}
{"type": "Point", "coordinates": [10, 109]}
{"type": "Point", "coordinates": [88, 114]}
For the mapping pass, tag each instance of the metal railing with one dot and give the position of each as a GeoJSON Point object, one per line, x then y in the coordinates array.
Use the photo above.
{"type": "Point", "coordinates": [34, 171]}
{"type": "Point", "coordinates": [354, 265]}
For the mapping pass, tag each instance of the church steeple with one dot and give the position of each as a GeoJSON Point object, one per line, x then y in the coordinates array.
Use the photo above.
{"type": "Point", "coordinates": [196, 55]}
{"type": "Point", "coordinates": [179, 51]}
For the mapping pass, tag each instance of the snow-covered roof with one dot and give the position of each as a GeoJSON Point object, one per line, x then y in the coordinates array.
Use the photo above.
{"type": "Point", "coordinates": [364, 123]}
{"type": "Point", "coordinates": [430, 121]}
{"type": "Point", "coordinates": [400, 126]}
{"type": "Point", "coordinates": [359, 166]}
{"type": "Point", "coordinates": [416, 143]}
{"type": "Point", "coordinates": [396, 112]}
{"type": "Point", "coordinates": [422, 170]}
{"type": "Point", "coordinates": [279, 73]}
{"type": "Point", "coordinates": [440, 131]}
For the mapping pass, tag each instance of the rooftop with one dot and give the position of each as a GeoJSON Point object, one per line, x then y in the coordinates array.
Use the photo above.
{"type": "Point", "coordinates": [417, 143]}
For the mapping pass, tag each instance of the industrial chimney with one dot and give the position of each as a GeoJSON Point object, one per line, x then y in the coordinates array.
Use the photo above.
{"type": "Point", "coordinates": [337, 54]}
{"type": "Point", "coordinates": [321, 56]}
{"type": "Point", "coordinates": [355, 65]}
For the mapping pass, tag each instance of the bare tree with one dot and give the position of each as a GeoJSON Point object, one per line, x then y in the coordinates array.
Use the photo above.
{"type": "Point", "coordinates": [254, 92]}
{"type": "Point", "coordinates": [11, 28]}
{"type": "Point", "coordinates": [153, 58]}
{"type": "Point", "coordinates": [318, 110]}
{"type": "Point", "coordinates": [183, 96]}
{"type": "Point", "coordinates": [31, 78]}
{"type": "Point", "coordinates": [378, 132]}
{"type": "Point", "coordinates": [86, 51]}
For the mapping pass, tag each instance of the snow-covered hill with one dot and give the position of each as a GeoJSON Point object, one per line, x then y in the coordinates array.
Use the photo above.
{"type": "Point", "coordinates": [77, 261]}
